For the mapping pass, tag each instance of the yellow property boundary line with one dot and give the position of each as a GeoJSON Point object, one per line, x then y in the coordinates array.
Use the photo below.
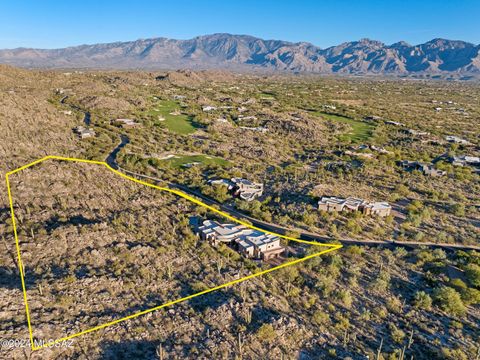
{"type": "Point", "coordinates": [330, 247]}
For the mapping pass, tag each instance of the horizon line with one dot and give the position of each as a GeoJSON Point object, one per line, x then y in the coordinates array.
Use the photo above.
{"type": "Point", "coordinates": [235, 35]}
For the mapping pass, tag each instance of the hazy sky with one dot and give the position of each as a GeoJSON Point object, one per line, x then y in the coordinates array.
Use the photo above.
{"type": "Point", "coordinates": [50, 24]}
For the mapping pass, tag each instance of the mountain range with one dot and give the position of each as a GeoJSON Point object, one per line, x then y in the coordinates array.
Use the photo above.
{"type": "Point", "coordinates": [243, 52]}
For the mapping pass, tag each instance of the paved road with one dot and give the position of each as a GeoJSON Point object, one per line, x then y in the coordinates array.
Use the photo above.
{"type": "Point", "coordinates": [86, 114]}
{"type": "Point", "coordinates": [112, 157]}
{"type": "Point", "coordinates": [304, 235]}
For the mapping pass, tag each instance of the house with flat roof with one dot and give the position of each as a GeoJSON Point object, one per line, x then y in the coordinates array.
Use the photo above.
{"type": "Point", "coordinates": [426, 169]}
{"type": "Point", "coordinates": [364, 155]}
{"type": "Point", "coordinates": [261, 129]}
{"type": "Point", "coordinates": [465, 160]}
{"type": "Point", "coordinates": [394, 123]}
{"type": "Point", "coordinates": [244, 189]}
{"type": "Point", "coordinates": [381, 209]}
{"type": "Point", "coordinates": [249, 242]}
{"type": "Point", "coordinates": [417, 132]}
{"type": "Point", "coordinates": [331, 204]}
{"type": "Point", "coordinates": [208, 108]}
{"type": "Point", "coordinates": [457, 140]}
{"type": "Point", "coordinates": [125, 123]}
{"type": "Point", "coordinates": [83, 133]}
{"type": "Point", "coordinates": [351, 204]}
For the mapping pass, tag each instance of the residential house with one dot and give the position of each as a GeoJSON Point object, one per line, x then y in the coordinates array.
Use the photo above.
{"type": "Point", "coordinates": [351, 204]}
{"type": "Point", "coordinates": [372, 118]}
{"type": "Point", "coordinates": [331, 204]}
{"type": "Point", "coordinates": [331, 107]}
{"type": "Point", "coordinates": [224, 182]}
{"type": "Point", "coordinates": [359, 154]}
{"type": "Point", "coordinates": [208, 108]}
{"type": "Point", "coordinates": [341, 166]}
{"type": "Point", "coordinates": [334, 204]}
{"type": "Point", "coordinates": [417, 132]}
{"type": "Point", "coordinates": [83, 133]}
{"type": "Point", "coordinates": [125, 123]}
{"type": "Point", "coordinates": [190, 165]}
{"type": "Point", "coordinates": [261, 129]}
{"type": "Point", "coordinates": [252, 117]}
{"type": "Point", "coordinates": [363, 148]}
{"type": "Point", "coordinates": [465, 160]}
{"type": "Point", "coordinates": [394, 123]}
{"type": "Point", "coordinates": [380, 150]}
{"type": "Point", "coordinates": [243, 188]}
{"type": "Point", "coordinates": [457, 140]}
{"type": "Point", "coordinates": [249, 242]}
{"type": "Point", "coordinates": [381, 209]}
{"type": "Point", "coordinates": [247, 190]}
{"type": "Point", "coordinates": [426, 169]}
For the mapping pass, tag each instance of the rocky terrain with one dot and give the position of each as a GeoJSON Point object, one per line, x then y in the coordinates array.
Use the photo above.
{"type": "Point", "coordinates": [96, 247]}
{"type": "Point", "coordinates": [438, 57]}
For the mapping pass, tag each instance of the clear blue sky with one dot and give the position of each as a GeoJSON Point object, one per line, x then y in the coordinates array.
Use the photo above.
{"type": "Point", "coordinates": [51, 24]}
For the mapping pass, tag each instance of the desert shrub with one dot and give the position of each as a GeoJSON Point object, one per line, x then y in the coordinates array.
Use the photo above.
{"type": "Point", "coordinates": [422, 300]}
{"type": "Point", "coordinates": [266, 333]}
{"type": "Point", "coordinates": [397, 334]}
{"type": "Point", "coordinates": [345, 297]}
{"type": "Point", "coordinates": [470, 296]}
{"type": "Point", "coordinates": [453, 354]}
{"type": "Point", "coordinates": [321, 317]}
{"type": "Point", "coordinates": [472, 271]}
{"type": "Point", "coordinates": [449, 300]}
{"type": "Point", "coordinates": [381, 283]}
{"type": "Point", "coordinates": [354, 251]}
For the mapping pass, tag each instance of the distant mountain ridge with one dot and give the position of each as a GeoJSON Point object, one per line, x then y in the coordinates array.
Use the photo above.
{"type": "Point", "coordinates": [243, 52]}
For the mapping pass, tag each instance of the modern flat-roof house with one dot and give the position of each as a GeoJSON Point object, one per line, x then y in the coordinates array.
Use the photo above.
{"type": "Point", "coordinates": [247, 190]}
{"type": "Point", "coordinates": [335, 204]}
{"type": "Point", "coordinates": [252, 117]}
{"type": "Point", "coordinates": [359, 154]}
{"type": "Point", "coordinates": [464, 160]}
{"type": "Point", "coordinates": [261, 129]}
{"type": "Point", "coordinates": [328, 106]}
{"type": "Point", "coordinates": [243, 188]}
{"type": "Point", "coordinates": [331, 204]}
{"type": "Point", "coordinates": [426, 169]}
{"type": "Point", "coordinates": [395, 123]}
{"type": "Point", "coordinates": [125, 123]}
{"type": "Point", "coordinates": [249, 242]}
{"type": "Point", "coordinates": [208, 108]}
{"type": "Point", "coordinates": [417, 132]}
{"type": "Point", "coordinates": [382, 209]}
{"type": "Point", "coordinates": [457, 140]}
{"type": "Point", "coordinates": [83, 133]}
{"type": "Point", "coordinates": [380, 150]}
{"type": "Point", "coordinates": [351, 204]}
